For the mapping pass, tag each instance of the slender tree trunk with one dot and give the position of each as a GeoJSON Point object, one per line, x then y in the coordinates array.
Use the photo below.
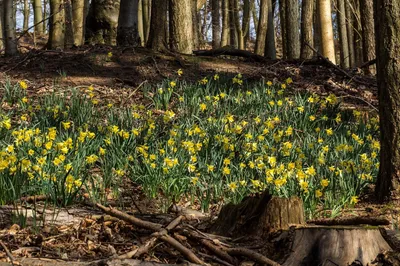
{"type": "Point", "coordinates": [195, 22]}
{"type": "Point", "coordinates": [216, 25]}
{"type": "Point", "coordinates": [45, 15]}
{"type": "Point", "coordinates": [232, 27]}
{"type": "Point", "coordinates": [317, 27]}
{"type": "Point", "coordinates": [387, 21]}
{"type": "Point", "coordinates": [57, 25]}
{"type": "Point", "coordinates": [270, 49]}
{"type": "Point", "coordinates": [146, 19]}
{"type": "Point", "coordinates": [225, 23]}
{"type": "Point", "coordinates": [241, 28]}
{"type": "Point", "coordinates": [158, 25]}
{"type": "Point", "coordinates": [1, 26]}
{"type": "Point", "coordinates": [368, 30]}
{"type": "Point", "coordinates": [262, 28]}
{"type": "Point", "coordinates": [127, 33]}
{"type": "Point", "coordinates": [78, 21]}
{"type": "Point", "coordinates": [357, 33]}
{"type": "Point", "coordinates": [38, 16]}
{"type": "Point", "coordinates": [9, 28]}
{"type": "Point", "coordinates": [292, 29]}
{"type": "Point", "coordinates": [307, 28]}
{"type": "Point", "coordinates": [254, 14]}
{"type": "Point", "coordinates": [328, 46]}
{"type": "Point", "coordinates": [350, 32]}
{"type": "Point", "coordinates": [344, 44]}
{"type": "Point", "coordinates": [140, 23]}
{"type": "Point", "coordinates": [69, 32]}
{"type": "Point", "coordinates": [181, 26]}
{"type": "Point", "coordinates": [26, 15]}
{"type": "Point", "coordinates": [282, 20]}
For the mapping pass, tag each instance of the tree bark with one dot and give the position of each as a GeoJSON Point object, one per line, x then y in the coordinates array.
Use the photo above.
{"type": "Point", "coordinates": [270, 49]}
{"type": "Point", "coordinates": [387, 21]}
{"type": "Point", "coordinates": [350, 32]}
{"type": "Point", "coordinates": [368, 31]}
{"type": "Point", "coordinates": [262, 28]}
{"type": "Point", "coordinates": [328, 47]}
{"type": "Point", "coordinates": [216, 25]}
{"type": "Point", "coordinates": [292, 29]}
{"type": "Point", "coordinates": [181, 26]}
{"type": "Point", "coordinates": [78, 21]}
{"type": "Point", "coordinates": [282, 17]}
{"type": "Point", "coordinates": [38, 16]}
{"type": "Point", "coordinates": [46, 14]}
{"type": "Point", "coordinates": [26, 15]}
{"type": "Point", "coordinates": [225, 23]}
{"type": "Point", "coordinates": [357, 33]}
{"type": "Point", "coordinates": [195, 23]}
{"type": "Point", "coordinates": [57, 25]}
{"type": "Point", "coordinates": [344, 44]}
{"type": "Point", "coordinates": [317, 27]}
{"type": "Point", "coordinates": [127, 33]}
{"type": "Point", "coordinates": [146, 19]}
{"type": "Point", "coordinates": [232, 26]}
{"type": "Point", "coordinates": [9, 28]}
{"type": "Point", "coordinates": [307, 28]}
{"type": "Point", "coordinates": [158, 25]}
{"type": "Point", "coordinates": [1, 25]}
{"type": "Point", "coordinates": [69, 31]}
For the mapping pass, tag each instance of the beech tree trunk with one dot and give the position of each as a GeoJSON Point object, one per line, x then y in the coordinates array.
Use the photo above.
{"type": "Point", "coordinates": [328, 46]}
{"type": "Point", "coordinates": [344, 44]}
{"type": "Point", "coordinates": [78, 21]}
{"type": "Point", "coordinates": [292, 29]}
{"type": "Point", "coordinates": [9, 28]}
{"type": "Point", "coordinates": [181, 26]}
{"type": "Point", "coordinates": [282, 18]}
{"type": "Point", "coordinates": [307, 10]}
{"type": "Point", "coordinates": [26, 15]}
{"type": "Point", "coordinates": [195, 23]}
{"type": "Point", "coordinates": [1, 26]}
{"type": "Point", "coordinates": [358, 42]}
{"type": "Point", "coordinates": [262, 28]}
{"type": "Point", "coordinates": [232, 27]}
{"type": "Point", "coordinates": [216, 25]}
{"type": "Point", "coordinates": [127, 33]}
{"type": "Point", "coordinates": [225, 23]}
{"type": "Point", "coordinates": [57, 25]}
{"type": "Point", "coordinates": [45, 15]}
{"type": "Point", "coordinates": [350, 32]}
{"type": "Point", "coordinates": [317, 27]}
{"type": "Point", "coordinates": [270, 49]}
{"type": "Point", "coordinates": [69, 32]}
{"type": "Point", "coordinates": [158, 25]}
{"type": "Point", "coordinates": [146, 19]}
{"type": "Point", "coordinates": [368, 31]}
{"type": "Point", "coordinates": [37, 16]}
{"type": "Point", "coordinates": [387, 21]}
{"type": "Point", "coordinates": [140, 23]}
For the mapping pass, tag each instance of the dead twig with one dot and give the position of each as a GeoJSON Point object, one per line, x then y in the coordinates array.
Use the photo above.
{"type": "Point", "coordinates": [9, 255]}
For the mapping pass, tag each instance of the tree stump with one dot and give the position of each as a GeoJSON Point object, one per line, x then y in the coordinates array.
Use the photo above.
{"type": "Point", "coordinates": [259, 215]}
{"type": "Point", "coordinates": [338, 245]}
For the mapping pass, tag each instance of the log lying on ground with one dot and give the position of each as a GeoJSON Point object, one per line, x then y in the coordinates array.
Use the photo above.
{"type": "Point", "coordinates": [259, 216]}
{"type": "Point", "coordinates": [319, 245]}
{"type": "Point", "coordinates": [229, 50]}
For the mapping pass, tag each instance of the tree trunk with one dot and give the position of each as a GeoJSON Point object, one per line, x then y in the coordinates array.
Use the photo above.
{"type": "Point", "coordinates": [69, 32]}
{"type": "Point", "coordinates": [195, 23]}
{"type": "Point", "coordinates": [78, 21]}
{"type": "Point", "coordinates": [146, 19]}
{"type": "Point", "coordinates": [350, 32]}
{"type": "Point", "coordinates": [254, 15]}
{"type": "Point", "coordinates": [225, 23]}
{"type": "Point", "coordinates": [158, 25]}
{"type": "Point", "coordinates": [232, 27]}
{"type": "Point", "coordinates": [37, 16]}
{"type": "Point", "coordinates": [57, 25]}
{"type": "Point", "coordinates": [127, 33]}
{"type": "Point", "coordinates": [181, 26]}
{"type": "Point", "coordinates": [388, 67]}
{"type": "Point", "coordinates": [357, 33]}
{"type": "Point", "coordinates": [328, 46]}
{"type": "Point", "coordinates": [45, 15]}
{"type": "Point", "coordinates": [292, 29]}
{"type": "Point", "coordinates": [1, 26]}
{"type": "Point", "coordinates": [9, 28]}
{"type": "Point", "coordinates": [368, 31]}
{"type": "Point", "coordinates": [26, 15]}
{"type": "Point", "coordinates": [344, 44]}
{"type": "Point", "coordinates": [270, 49]}
{"type": "Point", "coordinates": [262, 28]}
{"type": "Point", "coordinates": [307, 28]}
{"type": "Point", "coordinates": [317, 27]}
{"type": "Point", "coordinates": [216, 25]}
{"type": "Point", "coordinates": [282, 18]}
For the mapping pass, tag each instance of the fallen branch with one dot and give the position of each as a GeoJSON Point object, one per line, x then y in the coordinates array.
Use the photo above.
{"type": "Point", "coordinates": [357, 220]}
{"type": "Point", "coordinates": [8, 253]}
{"type": "Point", "coordinates": [257, 257]}
{"type": "Point", "coordinates": [229, 50]}
{"type": "Point", "coordinates": [160, 234]}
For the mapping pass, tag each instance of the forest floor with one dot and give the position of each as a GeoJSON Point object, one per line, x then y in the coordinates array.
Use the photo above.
{"type": "Point", "coordinates": [80, 232]}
